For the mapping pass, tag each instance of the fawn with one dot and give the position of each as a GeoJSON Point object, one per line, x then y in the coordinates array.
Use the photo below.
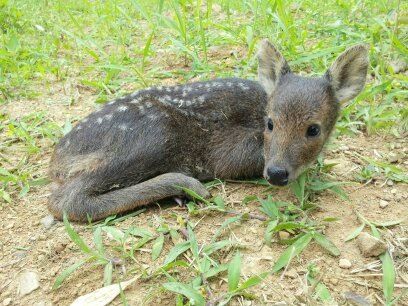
{"type": "Point", "coordinates": [145, 146]}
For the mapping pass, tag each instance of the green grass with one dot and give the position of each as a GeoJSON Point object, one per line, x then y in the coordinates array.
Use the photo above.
{"type": "Point", "coordinates": [108, 48]}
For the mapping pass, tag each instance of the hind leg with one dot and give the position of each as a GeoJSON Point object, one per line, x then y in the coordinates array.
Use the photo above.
{"type": "Point", "coordinates": [80, 199]}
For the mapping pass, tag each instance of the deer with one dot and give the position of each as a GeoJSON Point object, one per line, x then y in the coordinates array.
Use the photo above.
{"type": "Point", "coordinates": [153, 143]}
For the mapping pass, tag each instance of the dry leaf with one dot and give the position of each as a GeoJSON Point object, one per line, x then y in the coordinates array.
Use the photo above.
{"type": "Point", "coordinates": [102, 296]}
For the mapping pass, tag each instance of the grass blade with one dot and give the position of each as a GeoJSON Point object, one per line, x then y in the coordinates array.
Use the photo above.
{"type": "Point", "coordinates": [356, 232]}
{"type": "Point", "coordinates": [327, 244]}
{"type": "Point", "coordinates": [157, 247]}
{"type": "Point", "coordinates": [176, 251]}
{"type": "Point", "coordinates": [388, 277]}
{"type": "Point", "coordinates": [107, 274]}
{"type": "Point", "coordinates": [295, 249]}
{"type": "Point", "coordinates": [234, 272]}
{"type": "Point", "coordinates": [75, 237]}
{"type": "Point", "coordinates": [67, 272]}
{"type": "Point", "coordinates": [192, 294]}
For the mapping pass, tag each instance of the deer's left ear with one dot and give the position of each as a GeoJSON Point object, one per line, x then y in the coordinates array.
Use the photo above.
{"type": "Point", "coordinates": [348, 73]}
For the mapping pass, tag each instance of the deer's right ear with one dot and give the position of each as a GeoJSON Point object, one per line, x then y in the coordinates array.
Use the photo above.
{"type": "Point", "coordinates": [272, 65]}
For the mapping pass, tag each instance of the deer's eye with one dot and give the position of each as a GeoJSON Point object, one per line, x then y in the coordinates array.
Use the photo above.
{"type": "Point", "coordinates": [313, 130]}
{"type": "Point", "coordinates": [269, 124]}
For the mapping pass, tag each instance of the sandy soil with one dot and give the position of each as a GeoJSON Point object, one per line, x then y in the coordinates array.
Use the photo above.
{"type": "Point", "coordinates": [26, 245]}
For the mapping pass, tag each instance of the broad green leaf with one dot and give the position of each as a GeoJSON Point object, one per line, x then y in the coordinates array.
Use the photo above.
{"type": "Point", "coordinates": [387, 223]}
{"type": "Point", "coordinates": [219, 201]}
{"type": "Point", "coordinates": [157, 247]}
{"type": "Point", "coordinates": [107, 274]}
{"type": "Point", "coordinates": [171, 265]}
{"type": "Point", "coordinates": [252, 281]}
{"type": "Point", "coordinates": [97, 238]}
{"type": "Point", "coordinates": [67, 272]}
{"type": "Point", "coordinates": [327, 244]}
{"type": "Point", "coordinates": [115, 233]}
{"type": "Point", "coordinates": [388, 277]}
{"type": "Point", "coordinates": [288, 226]}
{"type": "Point", "coordinates": [195, 195]}
{"type": "Point", "coordinates": [295, 249]}
{"type": "Point", "coordinates": [176, 251]}
{"type": "Point", "coordinates": [192, 294]}
{"type": "Point", "coordinates": [270, 231]}
{"type": "Point", "coordinates": [215, 246]}
{"type": "Point", "coordinates": [234, 272]}
{"type": "Point", "coordinates": [216, 270]}
{"type": "Point", "coordinates": [355, 233]}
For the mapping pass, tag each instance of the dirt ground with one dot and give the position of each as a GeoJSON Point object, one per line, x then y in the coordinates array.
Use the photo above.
{"type": "Point", "coordinates": [26, 245]}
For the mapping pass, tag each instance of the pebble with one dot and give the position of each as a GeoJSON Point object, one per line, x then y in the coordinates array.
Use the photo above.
{"type": "Point", "coordinates": [28, 282]}
{"type": "Point", "coordinates": [383, 204]}
{"type": "Point", "coordinates": [60, 247]}
{"type": "Point", "coordinates": [344, 263]}
{"type": "Point", "coordinates": [7, 302]}
{"type": "Point", "coordinates": [283, 235]}
{"type": "Point", "coordinates": [390, 183]}
{"type": "Point", "coordinates": [291, 274]}
{"type": "Point", "coordinates": [334, 281]}
{"type": "Point", "coordinates": [48, 221]}
{"type": "Point", "coordinates": [393, 191]}
{"type": "Point", "coordinates": [370, 246]}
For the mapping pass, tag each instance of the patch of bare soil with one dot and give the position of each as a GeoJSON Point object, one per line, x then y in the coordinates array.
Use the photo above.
{"type": "Point", "coordinates": [27, 245]}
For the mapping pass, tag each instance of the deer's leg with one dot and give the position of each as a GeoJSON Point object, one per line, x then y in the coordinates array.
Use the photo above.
{"type": "Point", "coordinates": [80, 200]}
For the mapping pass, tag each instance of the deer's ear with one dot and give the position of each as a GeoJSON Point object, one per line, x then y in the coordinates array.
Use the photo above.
{"type": "Point", "coordinates": [272, 65]}
{"type": "Point", "coordinates": [348, 73]}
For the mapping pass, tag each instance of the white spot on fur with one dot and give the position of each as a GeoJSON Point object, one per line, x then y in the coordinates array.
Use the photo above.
{"type": "Point", "coordinates": [123, 127]}
{"type": "Point", "coordinates": [111, 102]}
{"type": "Point", "coordinates": [99, 120]}
{"type": "Point", "coordinates": [67, 143]}
{"type": "Point", "coordinates": [122, 108]}
{"type": "Point", "coordinates": [168, 89]}
{"type": "Point", "coordinates": [78, 127]}
{"type": "Point", "coordinates": [148, 104]}
{"type": "Point", "coordinates": [243, 86]}
{"type": "Point", "coordinates": [84, 120]}
{"type": "Point", "coordinates": [160, 88]}
{"type": "Point", "coordinates": [229, 84]}
{"type": "Point", "coordinates": [108, 117]}
{"type": "Point", "coordinates": [184, 94]}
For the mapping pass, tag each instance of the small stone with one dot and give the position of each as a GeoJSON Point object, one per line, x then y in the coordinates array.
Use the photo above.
{"type": "Point", "coordinates": [344, 263]}
{"type": "Point", "coordinates": [7, 302]}
{"type": "Point", "coordinates": [390, 183]}
{"type": "Point", "coordinates": [283, 235]}
{"type": "Point", "coordinates": [291, 274]}
{"type": "Point", "coordinates": [48, 221]}
{"type": "Point", "coordinates": [20, 254]}
{"type": "Point", "coordinates": [28, 282]}
{"type": "Point", "coordinates": [370, 246]}
{"type": "Point", "coordinates": [334, 281]}
{"type": "Point", "coordinates": [393, 191]}
{"type": "Point", "coordinates": [383, 204]}
{"type": "Point", "coordinates": [9, 226]}
{"type": "Point", "coordinates": [355, 299]}
{"type": "Point", "coordinates": [60, 247]}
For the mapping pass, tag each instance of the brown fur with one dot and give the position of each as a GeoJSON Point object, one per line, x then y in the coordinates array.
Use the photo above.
{"type": "Point", "coordinates": [145, 146]}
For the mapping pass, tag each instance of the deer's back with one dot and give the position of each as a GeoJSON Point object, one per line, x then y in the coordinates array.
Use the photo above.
{"type": "Point", "coordinates": [160, 129]}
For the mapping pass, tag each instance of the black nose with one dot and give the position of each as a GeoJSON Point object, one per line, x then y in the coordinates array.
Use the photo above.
{"type": "Point", "coordinates": [277, 176]}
